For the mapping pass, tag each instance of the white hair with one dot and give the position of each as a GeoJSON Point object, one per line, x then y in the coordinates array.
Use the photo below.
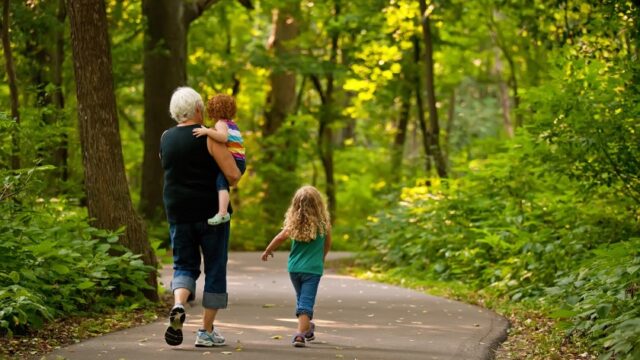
{"type": "Point", "coordinates": [184, 103]}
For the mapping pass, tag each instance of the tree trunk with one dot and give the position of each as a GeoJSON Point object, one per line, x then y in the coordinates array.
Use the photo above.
{"type": "Point", "coordinates": [108, 199]}
{"type": "Point", "coordinates": [434, 131]}
{"type": "Point", "coordinates": [327, 117]}
{"type": "Point", "coordinates": [165, 56]}
{"type": "Point", "coordinates": [513, 80]}
{"type": "Point", "coordinates": [276, 134]}
{"type": "Point", "coordinates": [403, 121]}
{"type": "Point", "coordinates": [422, 121]}
{"type": "Point", "coordinates": [13, 87]}
{"type": "Point", "coordinates": [61, 154]}
{"type": "Point", "coordinates": [449, 129]}
{"type": "Point", "coordinates": [165, 69]}
{"type": "Point", "coordinates": [505, 102]}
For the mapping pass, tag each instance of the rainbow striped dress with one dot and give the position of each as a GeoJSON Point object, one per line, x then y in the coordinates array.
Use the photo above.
{"type": "Point", "coordinates": [235, 144]}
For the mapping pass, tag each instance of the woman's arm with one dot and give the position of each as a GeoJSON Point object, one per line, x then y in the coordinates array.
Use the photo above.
{"type": "Point", "coordinates": [277, 241]}
{"type": "Point", "coordinates": [225, 161]}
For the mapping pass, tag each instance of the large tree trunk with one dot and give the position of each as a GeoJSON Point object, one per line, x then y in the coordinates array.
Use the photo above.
{"type": "Point", "coordinates": [281, 100]}
{"type": "Point", "coordinates": [13, 87]}
{"type": "Point", "coordinates": [108, 198]}
{"type": "Point", "coordinates": [165, 68]}
{"type": "Point", "coordinates": [165, 56]}
{"type": "Point", "coordinates": [434, 131]}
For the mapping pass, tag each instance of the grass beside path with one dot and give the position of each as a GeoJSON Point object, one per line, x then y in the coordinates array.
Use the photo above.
{"type": "Point", "coordinates": [532, 336]}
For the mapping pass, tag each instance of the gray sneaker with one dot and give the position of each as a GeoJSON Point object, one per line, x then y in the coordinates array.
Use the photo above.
{"type": "Point", "coordinates": [206, 339]}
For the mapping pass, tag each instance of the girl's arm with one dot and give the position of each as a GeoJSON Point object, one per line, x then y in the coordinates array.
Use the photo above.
{"type": "Point", "coordinates": [219, 134]}
{"type": "Point", "coordinates": [327, 243]}
{"type": "Point", "coordinates": [277, 241]}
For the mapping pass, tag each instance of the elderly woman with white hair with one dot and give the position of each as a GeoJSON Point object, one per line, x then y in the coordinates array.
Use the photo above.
{"type": "Point", "coordinates": [191, 165]}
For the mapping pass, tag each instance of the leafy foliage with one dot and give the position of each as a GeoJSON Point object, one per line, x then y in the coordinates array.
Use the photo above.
{"type": "Point", "coordinates": [52, 262]}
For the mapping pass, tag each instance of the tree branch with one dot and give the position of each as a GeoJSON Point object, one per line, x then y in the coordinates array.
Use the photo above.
{"type": "Point", "coordinates": [318, 86]}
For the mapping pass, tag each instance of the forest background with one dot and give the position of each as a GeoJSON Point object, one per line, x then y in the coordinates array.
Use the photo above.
{"type": "Point", "coordinates": [489, 144]}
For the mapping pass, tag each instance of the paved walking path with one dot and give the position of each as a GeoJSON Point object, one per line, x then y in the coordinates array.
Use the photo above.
{"type": "Point", "coordinates": [355, 319]}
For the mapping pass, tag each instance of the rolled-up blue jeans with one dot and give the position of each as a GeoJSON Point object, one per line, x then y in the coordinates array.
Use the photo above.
{"type": "Point", "coordinates": [306, 286]}
{"type": "Point", "coordinates": [191, 241]}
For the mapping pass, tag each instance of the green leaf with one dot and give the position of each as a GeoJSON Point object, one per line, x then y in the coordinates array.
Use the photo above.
{"type": "Point", "coordinates": [60, 269]}
{"type": "Point", "coordinates": [15, 276]}
{"type": "Point", "coordinates": [85, 285]}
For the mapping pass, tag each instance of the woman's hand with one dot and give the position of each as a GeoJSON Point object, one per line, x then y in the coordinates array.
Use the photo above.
{"type": "Point", "coordinates": [266, 254]}
{"type": "Point", "coordinates": [201, 131]}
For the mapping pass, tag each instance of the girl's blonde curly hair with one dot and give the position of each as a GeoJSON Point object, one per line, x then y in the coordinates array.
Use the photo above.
{"type": "Point", "coordinates": [307, 216]}
{"type": "Point", "coordinates": [221, 106]}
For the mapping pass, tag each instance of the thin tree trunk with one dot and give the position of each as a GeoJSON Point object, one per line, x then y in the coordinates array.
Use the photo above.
{"type": "Point", "coordinates": [108, 199]}
{"type": "Point", "coordinates": [403, 121]}
{"type": "Point", "coordinates": [327, 116]}
{"type": "Point", "coordinates": [434, 131]}
{"type": "Point", "coordinates": [513, 80]}
{"type": "Point", "coordinates": [61, 154]}
{"type": "Point", "coordinates": [505, 101]}
{"type": "Point", "coordinates": [13, 87]}
{"type": "Point", "coordinates": [422, 121]}
{"type": "Point", "coordinates": [449, 129]}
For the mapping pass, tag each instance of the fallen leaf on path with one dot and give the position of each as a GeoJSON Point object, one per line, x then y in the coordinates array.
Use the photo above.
{"type": "Point", "coordinates": [339, 356]}
{"type": "Point", "coordinates": [267, 306]}
{"type": "Point", "coordinates": [226, 353]}
{"type": "Point", "coordinates": [276, 337]}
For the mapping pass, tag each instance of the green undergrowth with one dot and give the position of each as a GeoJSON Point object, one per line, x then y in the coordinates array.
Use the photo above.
{"type": "Point", "coordinates": [54, 264]}
{"type": "Point", "coordinates": [515, 229]}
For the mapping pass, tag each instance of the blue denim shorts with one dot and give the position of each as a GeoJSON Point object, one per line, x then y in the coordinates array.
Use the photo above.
{"type": "Point", "coordinates": [306, 286]}
{"type": "Point", "coordinates": [221, 181]}
{"type": "Point", "coordinates": [190, 242]}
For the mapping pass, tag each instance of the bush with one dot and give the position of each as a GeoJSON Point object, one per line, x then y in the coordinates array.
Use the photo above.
{"type": "Point", "coordinates": [52, 262]}
{"type": "Point", "coordinates": [514, 226]}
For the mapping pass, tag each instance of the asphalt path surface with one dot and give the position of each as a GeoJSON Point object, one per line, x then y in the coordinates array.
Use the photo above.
{"type": "Point", "coordinates": [355, 319]}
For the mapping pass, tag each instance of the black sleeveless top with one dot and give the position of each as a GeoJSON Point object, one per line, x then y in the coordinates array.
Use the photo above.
{"type": "Point", "coordinates": [190, 172]}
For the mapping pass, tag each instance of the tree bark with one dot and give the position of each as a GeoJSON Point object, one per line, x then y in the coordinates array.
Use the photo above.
{"type": "Point", "coordinates": [449, 129]}
{"type": "Point", "coordinates": [422, 121]}
{"type": "Point", "coordinates": [434, 131]}
{"type": "Point", "coordinates": [403, 120]}
{"type": "Point", "coordinates": [61, 154]}
{"type": "Point", "coordinates": [165, 69]}
{"type": "Point", "coordinates": [327, 117]}
{"type": "Point", "coordinates": [505, 101]}
{"type": "Point", "coordinates": [165, 56]}
{"type": "Point", "coordinates": [13, 87]}
{"type": "Point", "coordinates": [108, 199]}
{"type": "Point", "coordinates": [281, 101]}
{"type": "Point", "coordinates": [513, 79]}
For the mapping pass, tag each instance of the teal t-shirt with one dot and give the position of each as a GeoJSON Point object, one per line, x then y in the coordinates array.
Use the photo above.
{"type": "Point", "coordinates": [307, 257]}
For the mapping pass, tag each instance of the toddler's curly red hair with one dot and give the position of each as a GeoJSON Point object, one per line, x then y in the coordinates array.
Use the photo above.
{"type": "Point", "coordinates": [221, 106]}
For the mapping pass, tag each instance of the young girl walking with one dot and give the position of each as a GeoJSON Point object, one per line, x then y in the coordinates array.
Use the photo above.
{"type": "Point", "coordinates": [307, 224]}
